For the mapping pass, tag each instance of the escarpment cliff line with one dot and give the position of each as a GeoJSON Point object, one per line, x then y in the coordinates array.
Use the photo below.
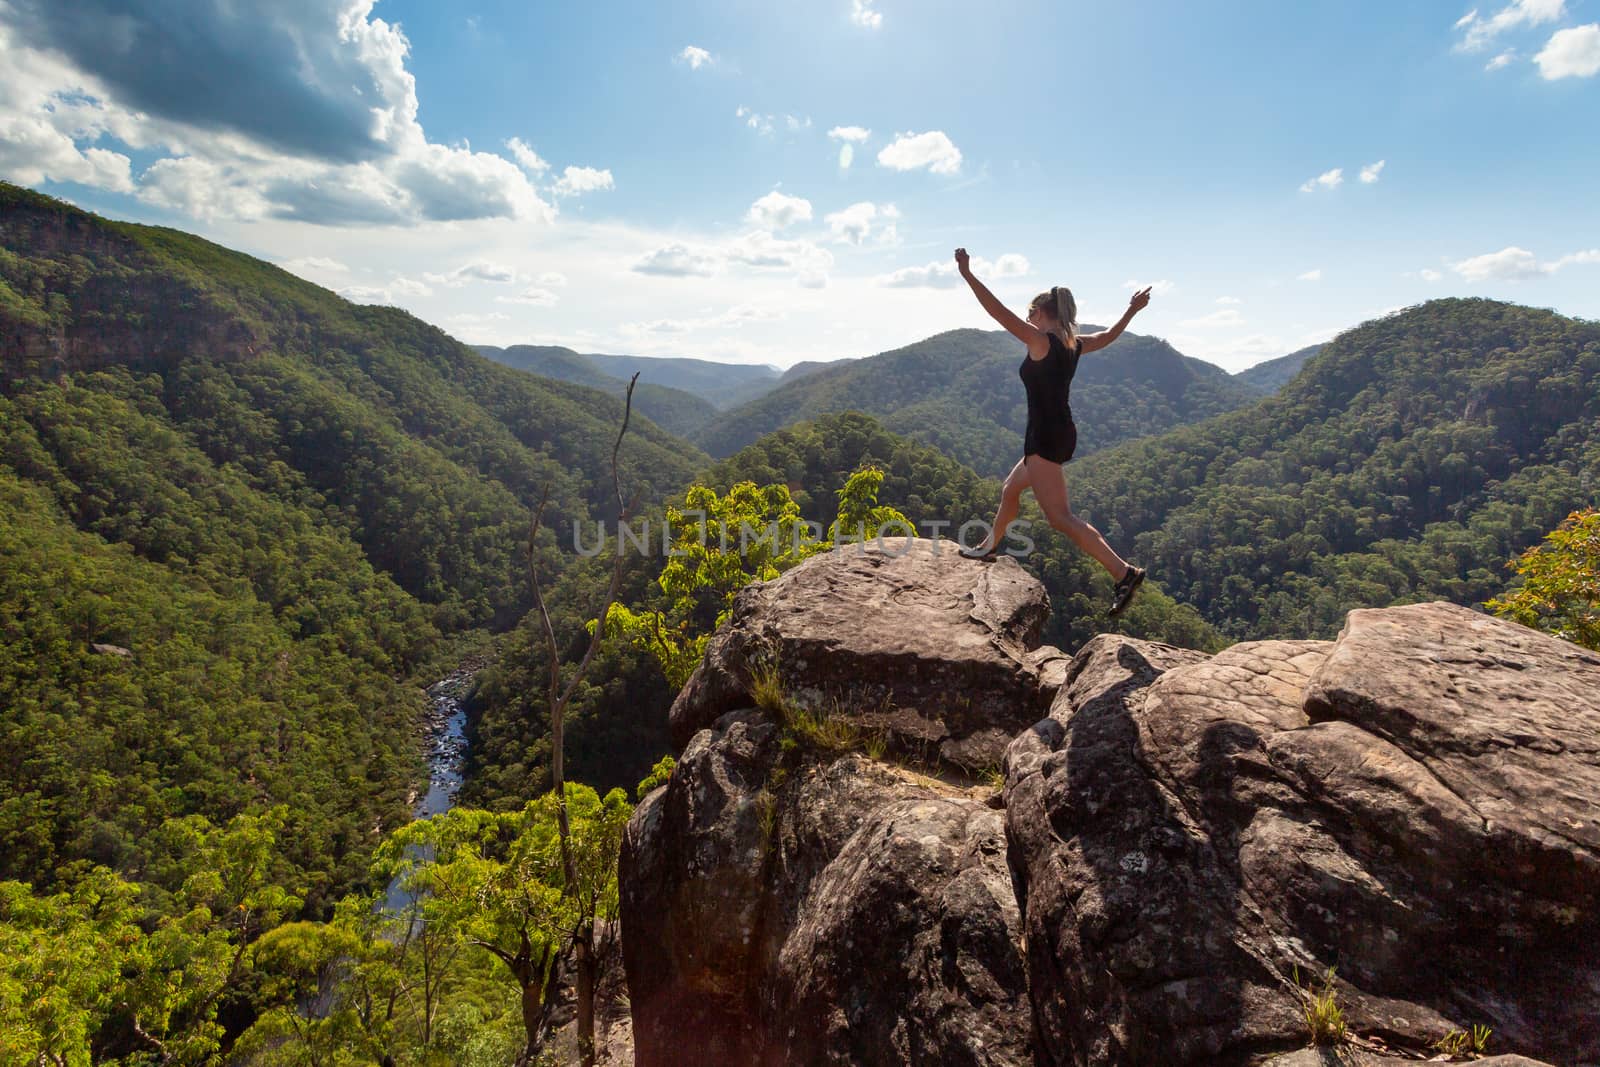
{"type": "Point", "coordinates": [1187, 842]}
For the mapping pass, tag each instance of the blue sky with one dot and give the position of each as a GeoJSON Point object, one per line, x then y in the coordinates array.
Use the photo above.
{"type": "Point", "coordinates": [671, 179]}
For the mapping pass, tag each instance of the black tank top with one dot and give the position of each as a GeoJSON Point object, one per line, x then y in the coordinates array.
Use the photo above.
{"type": "Point", "coordinates": [1049, 381]}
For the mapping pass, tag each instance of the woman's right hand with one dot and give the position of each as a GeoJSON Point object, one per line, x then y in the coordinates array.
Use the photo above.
{"type": "Point", "coordinates": [961, 260]}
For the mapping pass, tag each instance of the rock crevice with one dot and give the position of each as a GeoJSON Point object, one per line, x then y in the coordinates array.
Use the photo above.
{"type": "Point", "coordinates": [1187, 841]}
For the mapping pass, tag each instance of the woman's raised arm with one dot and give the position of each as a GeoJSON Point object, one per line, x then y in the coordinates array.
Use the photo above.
{"type": "Point", "coordinates": [1136, 304]}
{"type": "Point", "coordinates": [1036, 339]}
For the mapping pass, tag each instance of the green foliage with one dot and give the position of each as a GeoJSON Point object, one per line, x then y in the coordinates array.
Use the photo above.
{"type": "Point", "coordinates": [1405, 462]}
{"type": "Point", "coordinates": [1559, 591]}
{"type": "Point", "coordinates": [1324, 1017]}
{"type": "Point", "coordinates": [1464, 1044]}
{"type": "Point", "coordinates": [284, 505]}
{"type": "Point", "coordinates": [94, 967]}
{"type": "Point", "coordinates": [660, 774]}
{"type": "Point", "coordinates": [705, 569]}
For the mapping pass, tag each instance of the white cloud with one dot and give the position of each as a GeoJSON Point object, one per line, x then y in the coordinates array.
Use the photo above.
{"type": "Point", "coordinates": [759, 251]}
{"type": "Point", "coordinates": [1370, 172]}
{"type": "Point", "coordinates": [1223, 319]}
{"type": "Point", "coordinates": [933, 150]}
{"type": "Point", "coordinates": [1428, 274]}
{"type": "Point", "coordinates": [575, 181]}
{"type": "Point", "coordinates": [552, 277]}
{"type": "Point", "coordinates": [1502, 60]}
{"type": "Point", "coordinates": [1158, 288]}
{"type": "Point", "coordinates": [1481, 32]}
{"type": "Point", "coordinates": [762, 124]}
{"type": "Point", "coordinates": [366, 294]}
{"type": "Point", "coordinates": [410, 287]}
{"type": "Point", "coordinates": [695, 56]}
{"type": "Point", "coordinates": [847, 155]}
{"type": "Point", "coordinates": [850, 133]}
{"type": "Point", "coordinates": [1571, 53]}
{"type": "Point", "coordinates": [315, 263]}
{"type": "Point", "coordinates": [1229, 300]}
{"type": "Point", "coordinates": [1330, 179]}
{"type": "Point", "coordinates": [480, 271]}
{"type": "Point", "coordinates": [776, 211]}
{"type": "Point", "coordinates": [943, 274]}
{"type": "Point", "coordinates": [1518, 264]}
{"type": "Point", "coordinates": [526, 157]}
{"type": "Point", "coordinates": [862, 14]}
{"type": "Point", "coordinates": [795, 123]}
{"type": "Point", "coordinates": [1310, 276]}
{"type": "Point", "coordinates": [340, 143]}
{"type": "Point", "coordinates": [854, 224]}
{"type": "Point", "coordinates": [678, 261]}
{"type": "Point", "coordinates": [536, 297]}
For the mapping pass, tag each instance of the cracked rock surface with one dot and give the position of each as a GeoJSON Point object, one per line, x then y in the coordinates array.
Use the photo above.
{"type": "Point", "coordinates": [1188, 842]}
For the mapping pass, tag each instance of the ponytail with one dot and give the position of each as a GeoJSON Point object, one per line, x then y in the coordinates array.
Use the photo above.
{"type": "Point", "coordinates": [1067, 311]}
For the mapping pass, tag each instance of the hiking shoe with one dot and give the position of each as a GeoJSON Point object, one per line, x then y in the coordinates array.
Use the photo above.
{"type": "Point", "coordinates": [978, 553]}
{"type": "Point", "coordinates": [1122, 595]}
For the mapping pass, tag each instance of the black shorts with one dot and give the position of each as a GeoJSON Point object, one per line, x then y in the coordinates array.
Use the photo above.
{"type": "Point", "coordinates": [1055, 441]}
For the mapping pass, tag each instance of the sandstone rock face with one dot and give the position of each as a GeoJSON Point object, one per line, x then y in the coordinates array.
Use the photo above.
{"type": "Point", "coordinates": [1413, 804]}
{"type": "Point", "coordinates": [1188, 842]}
{"type": "Point", "coordinates": [829, 910]}
{"type": "Point", "coordinates": [938, 652]}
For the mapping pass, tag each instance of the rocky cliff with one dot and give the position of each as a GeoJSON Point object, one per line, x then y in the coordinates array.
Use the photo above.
{"type": "Point", "coordinates": [1157, 862]}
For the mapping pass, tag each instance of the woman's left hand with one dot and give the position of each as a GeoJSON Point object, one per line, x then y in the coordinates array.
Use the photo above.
{"type": "Point", "coordinates": [1138, 301]}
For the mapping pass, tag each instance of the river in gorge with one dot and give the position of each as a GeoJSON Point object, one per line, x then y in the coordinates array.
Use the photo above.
{"type": "Point", "coordinates": [446, 733]}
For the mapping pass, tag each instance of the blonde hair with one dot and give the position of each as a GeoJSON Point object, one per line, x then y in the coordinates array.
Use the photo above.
{"type": "Point", "coordinates": [1059, 302]}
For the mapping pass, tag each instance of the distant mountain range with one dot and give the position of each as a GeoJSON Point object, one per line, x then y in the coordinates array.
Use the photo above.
{"type": "Point", "coordinates": [955, 390]}
{"type": "Point", "coordinates": [1274, 374]}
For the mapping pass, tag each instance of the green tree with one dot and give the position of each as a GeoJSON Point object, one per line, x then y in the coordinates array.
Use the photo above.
{"type": "Point", "coordinates": [1560, 582]}
{"type": "Point", "coordinates": [721, 544]}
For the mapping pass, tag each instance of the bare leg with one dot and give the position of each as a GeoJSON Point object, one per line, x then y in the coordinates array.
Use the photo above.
{"type": "Point", "coordinates": [1049, 484]}
{"type": "Point", "coordinates": [1010, 505]}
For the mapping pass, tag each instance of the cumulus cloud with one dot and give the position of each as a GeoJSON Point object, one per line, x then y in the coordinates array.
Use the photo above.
{"type": "Point", "coordinates": [1502, 60]}
{"type": "Point", "coordinates": [695, 56]}
{"type": "Point", "coordinates": [678, 261]}
{"type": "Point", "coordinates": [759, 250]}
{"type": "Point", "coordinates": [1518, 264]}
{"type": "Point", "coordinates": [850, 133]}
{"type": "Point", "coordinates": [863, 14]}
{"type": "Point", "coordinates": [777, 210]}
{"type": "Point", "coordinates": [1329, 179]}
{"type": "Point", "coordinates": [1310, 276]}
{"type": "Point", "coordinates": [300, 110]}
{"type": "Point", "coordinates": [933, 150]}
{"type": "Point", "coordinates": [1572, 53]}
{"type": "Point", "coordinates": [526, 157]}
{"type": "Point", "coordinates": [1428, 274]}
{"type": "Point", "coordinates": [1225, 318]}
{"type": "Point", "coordinates": [856, 223]}
{"type": "Point", "coordinates": [1480, 32]}
{"type": "Point", "coordinates": [323, 264]}
{"type": "Point", "coordinates": [1370, 172]}
{"type": "Point", "coordinates": [575, 181]}
{"type": "Point", "coordinates": [479, 271]}
{"type": "Point", "coordinates": [943, 274]}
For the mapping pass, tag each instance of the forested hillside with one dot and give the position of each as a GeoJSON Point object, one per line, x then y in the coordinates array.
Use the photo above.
{"type": "Point", "coordinates": [959, 392]}
{"type": "Point", "coordinates": [1274, 374]}
{"type": "Point", "coordinates": [1408, 461]}
{"type": "Point", "coordinates": [282, 505]}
